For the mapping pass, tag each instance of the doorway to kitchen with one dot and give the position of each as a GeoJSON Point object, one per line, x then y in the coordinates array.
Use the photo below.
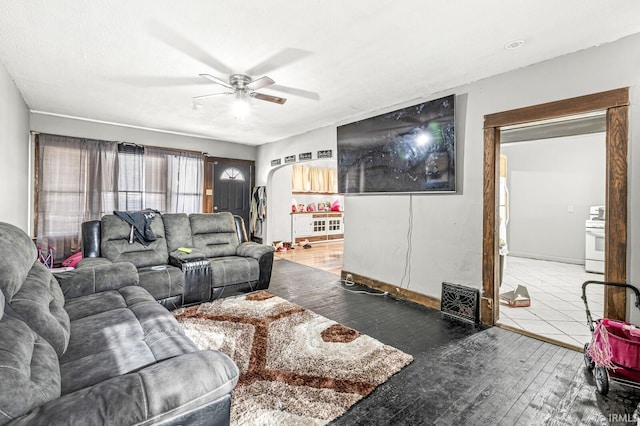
{"type": "Point", "coordinates": [552, 196]}
{"type": "Point", "coordinates": [615, 106]}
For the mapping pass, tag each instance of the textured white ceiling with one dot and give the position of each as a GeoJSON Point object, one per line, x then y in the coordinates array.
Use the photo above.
{"type": "Point", "coordinates": [137, 62]}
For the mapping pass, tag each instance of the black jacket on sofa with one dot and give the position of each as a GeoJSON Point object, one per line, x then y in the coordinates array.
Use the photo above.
{"type": "Point", "coordinates": [220, 238]}
{"type": "Point", "coordinates": [91, 346]}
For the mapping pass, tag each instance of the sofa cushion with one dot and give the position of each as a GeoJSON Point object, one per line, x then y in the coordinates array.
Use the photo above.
{"type": "Point", "coordinates": [94, 304]}
{"type": "Point", "coordinates": [40, 303]}
{"type": "Point", "coordinates": [164, 393]}
{"type": "Point", "coordinates": [18, 253]}
{"type": "Point", "coordinates": [177, 229]}
{"type": "Point", "coordinates": [214, 233]}
{"type": "Point", "coordinates": [230, 270]}
{"type": "Point", "coordinates": [115, 244]}
{"type": "Point", "coordinates": [95, 277]}
{"type": "Point", "coordinates": [29, 371]}
{"type": "Point", "coordinates": [128, 331]}
{"type": "Point", "coordinates": [30, 288]}
{"type": "Point", "coordinates": [162, 283]}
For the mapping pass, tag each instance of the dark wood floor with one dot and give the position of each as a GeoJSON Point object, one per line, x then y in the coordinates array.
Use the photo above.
{"type": "Point", "coordinates": [461, 375]}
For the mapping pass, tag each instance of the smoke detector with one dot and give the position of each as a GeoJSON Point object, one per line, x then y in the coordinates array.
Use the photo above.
{"type": "Point", "coordinates": [513, 44]}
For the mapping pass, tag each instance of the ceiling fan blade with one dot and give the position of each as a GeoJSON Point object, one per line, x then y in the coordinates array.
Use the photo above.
{"type": "Point", "coordinates": [278, 60]}
{"type": "Point", "coordinates": [267, 98]}
{"type": "Point", "coordinates": [216, 80]}
{"type": "Point", "coordinates": [159, 81]}
{"type": "Point", "coordinates": [260, 83]}
{"type": "Point", "coordinates": [198, 98]}
{"type": "Point", "coordinates": [314, 96]}
{"type": "Point", "coordinates": [176, 40]}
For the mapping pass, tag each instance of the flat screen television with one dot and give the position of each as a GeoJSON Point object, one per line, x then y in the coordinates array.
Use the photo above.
{"type": "Point", "coordinates": [408, 150]}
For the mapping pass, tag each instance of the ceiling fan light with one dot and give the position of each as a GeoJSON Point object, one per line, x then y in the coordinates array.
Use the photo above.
{"type": "Point", "coordinates": [240, 108]}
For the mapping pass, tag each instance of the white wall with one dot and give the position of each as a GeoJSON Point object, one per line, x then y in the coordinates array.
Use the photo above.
{"type": "Point", "coordinates": [278, 179]}
{"type": "Point", "coordinates": [15, 163]}
{"type": "Point", "coordinates": [447, 231]}
{"type": "Point", "coordinates": [552, 183]}
{"type": "Point", "coordinates": [279, 206]}
{"type": "Point", "coordinates": [57, 125]}
{"type": "Point", "coordinates": [314, 141]}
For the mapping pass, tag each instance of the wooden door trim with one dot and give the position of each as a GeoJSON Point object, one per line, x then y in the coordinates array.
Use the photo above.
{"type": "Point", "coordinates": [615, 103]}
{"type": "Point", "coordinates": [616, 223]}
{"type": "Point", "coordinates": [490, 216]}
{"type": "Point", "coordinates": [573, 106]}
{"type": "Point", "coordinates": [207, 190]}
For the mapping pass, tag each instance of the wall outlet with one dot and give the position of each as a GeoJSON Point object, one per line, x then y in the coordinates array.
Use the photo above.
{"type": "Point", "coordinates": [349, 278]}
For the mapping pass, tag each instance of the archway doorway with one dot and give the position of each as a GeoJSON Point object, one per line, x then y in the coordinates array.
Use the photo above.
{"type": "Point", "coordinates": [311, 224]}
{"type": "Point", "coordinates": [615, 103]}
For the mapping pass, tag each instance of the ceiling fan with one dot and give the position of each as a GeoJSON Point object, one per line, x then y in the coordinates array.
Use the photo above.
{"type": "Point", "coordinates": [243, 87]}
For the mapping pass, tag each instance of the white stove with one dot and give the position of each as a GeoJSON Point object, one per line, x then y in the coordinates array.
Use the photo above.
{"type": "Point", "coordinates": [596, 223]}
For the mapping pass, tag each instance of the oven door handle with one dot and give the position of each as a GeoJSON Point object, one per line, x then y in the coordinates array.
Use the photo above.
{"type": "Point", "coordinates": [596, 232]}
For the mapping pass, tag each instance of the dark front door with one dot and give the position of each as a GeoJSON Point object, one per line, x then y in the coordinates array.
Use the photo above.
{"type": "Point", "coordinates": [232, 184]}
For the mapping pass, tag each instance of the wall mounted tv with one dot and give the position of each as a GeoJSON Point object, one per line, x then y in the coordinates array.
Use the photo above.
{"type": "Point", "coordinates": [409, 150]}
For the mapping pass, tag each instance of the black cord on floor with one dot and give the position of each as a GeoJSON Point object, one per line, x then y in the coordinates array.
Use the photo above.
{"type": "Point", "coordinates": [337, 284]}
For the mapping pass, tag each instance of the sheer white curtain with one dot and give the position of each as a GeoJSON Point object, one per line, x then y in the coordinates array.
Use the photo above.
{"type": "Point", "coordinates": [186, 179]}
{"type": "Point", "coordinates": [155, 173]}
{"type": "Point", "coordinates": [174, 180]}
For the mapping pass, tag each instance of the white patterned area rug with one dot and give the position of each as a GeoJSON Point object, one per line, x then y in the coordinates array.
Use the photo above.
{"type": "Point", "coordinates": [296, 367]}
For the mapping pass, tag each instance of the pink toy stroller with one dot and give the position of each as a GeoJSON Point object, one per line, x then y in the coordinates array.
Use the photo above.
{"type": "Point", "coordinates": [614, 351]}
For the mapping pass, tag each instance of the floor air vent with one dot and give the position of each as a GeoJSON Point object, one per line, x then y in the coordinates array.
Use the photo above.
{"type": "Point", "coordinates": [460, 302]}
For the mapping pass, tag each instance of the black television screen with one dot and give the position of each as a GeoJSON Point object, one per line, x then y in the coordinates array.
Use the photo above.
{"type": "Point", "coordinates": [409, 150]}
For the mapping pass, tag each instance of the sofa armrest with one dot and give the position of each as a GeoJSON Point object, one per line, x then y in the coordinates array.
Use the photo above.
{"type": "Point", "coordinates": [264, 255]}
{"type": "Point", "coordinates": [93, 261]}
{"type": "Point", "coordinates": [154, 394]}
{"type": "Point", "coordinates": [255, 250]}
{"type": "Point", "coordinates": [95, 277]}
{"type": "Point", "coordinates": [177, 257]}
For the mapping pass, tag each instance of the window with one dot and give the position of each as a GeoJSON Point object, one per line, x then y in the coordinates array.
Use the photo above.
{"type": "Point", "coordinates": [155, 179]}
{"type": "Point", "coordinates": [81, 179]}
{"type": "Point", "coordinates": [185, 181]}
{"type": "Point", "coordinates": [232, 173]}
{"type": "Point", "coordinates": [130, 177]}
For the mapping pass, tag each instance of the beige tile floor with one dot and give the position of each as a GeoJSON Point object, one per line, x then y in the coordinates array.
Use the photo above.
{"type": "Point", "coordinates": [557, 311]}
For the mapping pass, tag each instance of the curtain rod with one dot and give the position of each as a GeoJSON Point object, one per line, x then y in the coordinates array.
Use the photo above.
{"type": "Point", "coordinates": [34, 132]}
{"type": "Point", "coordinates": [130, 144]}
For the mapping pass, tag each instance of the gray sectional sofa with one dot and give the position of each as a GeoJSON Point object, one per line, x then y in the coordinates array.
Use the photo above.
{"type": "Point", "coordinates": [92, 347]}
{"type": "Point", "coordinates": [169, 274]}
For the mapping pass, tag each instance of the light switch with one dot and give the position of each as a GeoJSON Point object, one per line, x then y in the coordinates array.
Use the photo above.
{"type": "Point", "coordinates": [569, 209]}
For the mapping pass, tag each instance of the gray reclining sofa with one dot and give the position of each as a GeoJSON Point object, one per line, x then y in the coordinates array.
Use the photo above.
{"type": "Point", "coordinates": [216, 242]}
{"type": "Point", "coordinates": [91, 347]}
